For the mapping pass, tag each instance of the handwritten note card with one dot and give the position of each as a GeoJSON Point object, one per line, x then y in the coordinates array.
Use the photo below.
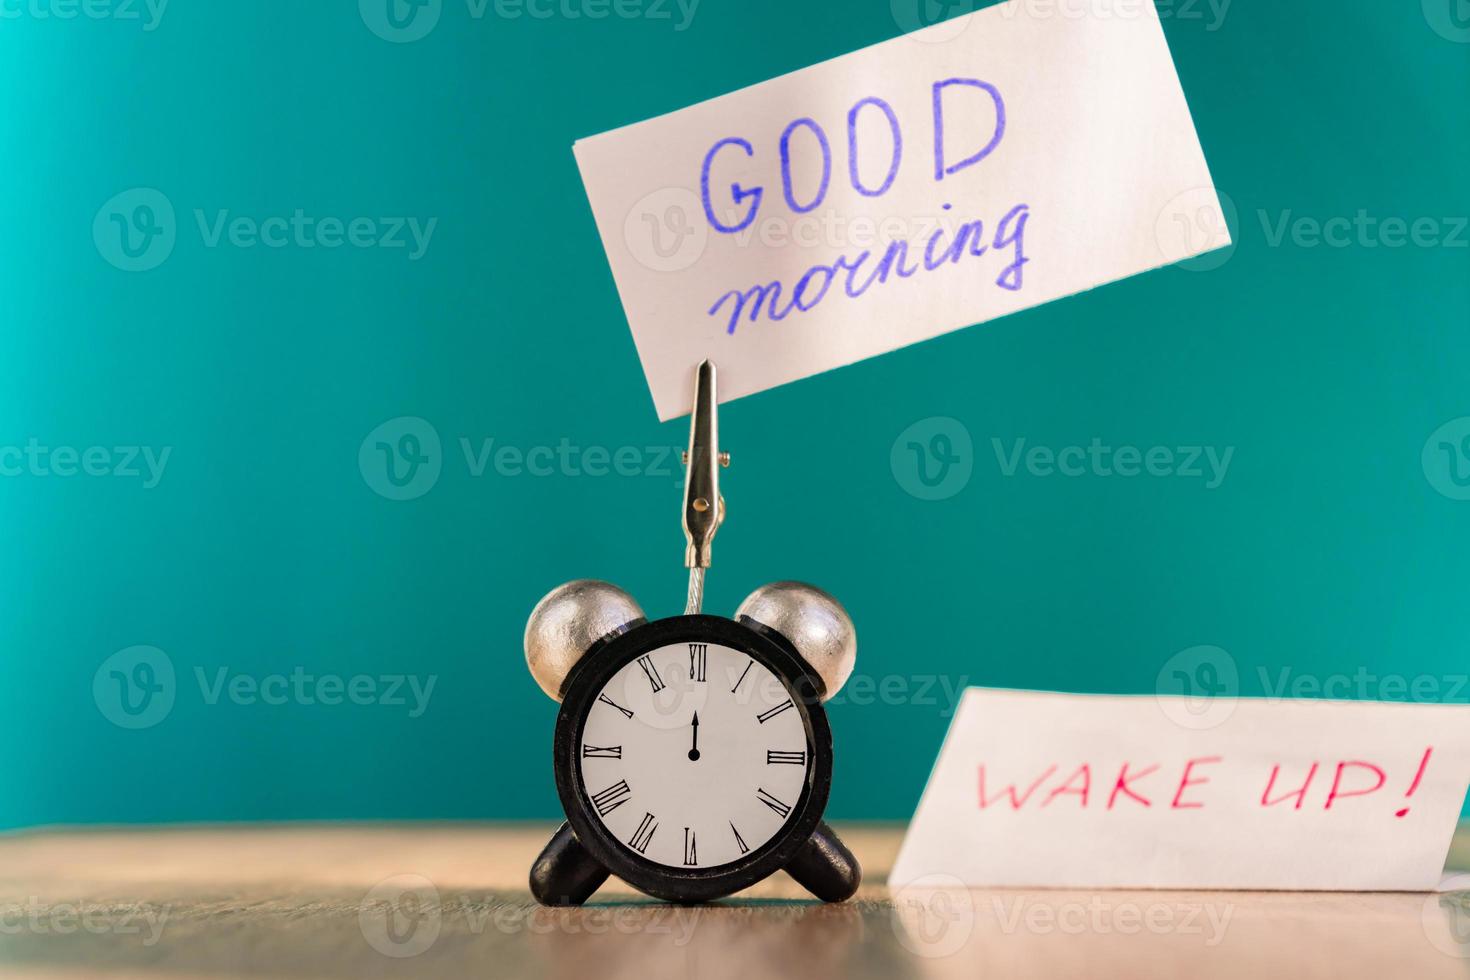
{"type": "Point", "coordinates": [1092, 791]}
{"type": "Point", "coordinates": [972, 169]}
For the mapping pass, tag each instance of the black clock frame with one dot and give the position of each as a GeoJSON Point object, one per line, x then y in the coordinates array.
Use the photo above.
{"type": "Point", "coordinates": [804, 845]}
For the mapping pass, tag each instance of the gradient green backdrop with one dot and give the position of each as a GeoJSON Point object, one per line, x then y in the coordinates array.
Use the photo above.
{"type": "Point", "coordinates": [1328, 550]}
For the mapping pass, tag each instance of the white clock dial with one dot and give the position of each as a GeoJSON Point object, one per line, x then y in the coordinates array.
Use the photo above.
{"type": "Point", "coordinates": [690, 795]}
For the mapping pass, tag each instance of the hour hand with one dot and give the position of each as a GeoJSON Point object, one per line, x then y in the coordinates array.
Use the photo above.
{"type": "Point", "coordinates": [694, 746]}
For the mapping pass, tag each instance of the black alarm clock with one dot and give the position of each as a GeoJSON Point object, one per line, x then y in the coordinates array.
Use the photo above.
{"type": "Point", "coordinates": [692, 754]}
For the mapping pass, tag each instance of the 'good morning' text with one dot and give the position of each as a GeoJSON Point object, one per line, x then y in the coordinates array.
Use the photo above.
{"type": "Point", "coordinates": [859, 272]}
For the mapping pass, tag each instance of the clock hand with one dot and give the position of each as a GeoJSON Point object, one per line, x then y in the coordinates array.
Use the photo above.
{"type": "Point", "coordinates": [694, 747]}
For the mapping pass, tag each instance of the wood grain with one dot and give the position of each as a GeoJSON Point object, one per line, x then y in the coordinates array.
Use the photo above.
{"type": "Point", "coordinates": [451, 900]}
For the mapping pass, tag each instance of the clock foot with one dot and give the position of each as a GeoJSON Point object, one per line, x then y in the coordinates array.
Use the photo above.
{"type": "Point", "coordinates": [825, 867]}
{"type": "Point", "coordinates": [565, 873]}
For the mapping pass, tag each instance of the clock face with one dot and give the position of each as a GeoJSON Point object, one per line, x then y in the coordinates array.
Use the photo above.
{"type": "Point", "coordinates": [694, 755]}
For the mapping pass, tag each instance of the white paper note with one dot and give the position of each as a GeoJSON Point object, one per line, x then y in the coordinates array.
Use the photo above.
{"type": "Point", "coordinates": [1091, 791]}
{"type": "Point", "coordinates": [978, 167]}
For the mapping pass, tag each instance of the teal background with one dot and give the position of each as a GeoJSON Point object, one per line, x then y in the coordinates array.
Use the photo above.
{"type": "Point", "coordinates": [1326, 549]}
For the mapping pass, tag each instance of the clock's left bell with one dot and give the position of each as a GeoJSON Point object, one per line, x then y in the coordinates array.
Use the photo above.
{"type": "Point", "coordinates": [569, 622]}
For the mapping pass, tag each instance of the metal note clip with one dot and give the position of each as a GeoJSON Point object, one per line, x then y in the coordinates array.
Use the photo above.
{"type": "Point", "coordinates": [704, 506]}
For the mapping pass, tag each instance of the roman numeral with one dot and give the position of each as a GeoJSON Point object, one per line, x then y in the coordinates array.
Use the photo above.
{"type": "Point", "coordinates": [742, 676]}
{"type": "Point", "coordinates": [690, 858]}
{"type": "Point", "coordinates": [611, 798]}
{"type": "Point", "coordinates": [652, 673]}
{"type": "Point", "coordinates": [785, 758]}
{"type": "Point", "coordinates": [697, 655]}
{"type": "Point", "coordinates": [766, 716]}
{"type": "Point", "coordinates": [606, 752]}
{"type": "Point", "coordinates": [739, 841]}
{"type": "Point", "coordinates": [644, 834]}
{"type": "Point", "coordinates": [773, 803]}
{"type": "Point", "coordinates": [609, 701]}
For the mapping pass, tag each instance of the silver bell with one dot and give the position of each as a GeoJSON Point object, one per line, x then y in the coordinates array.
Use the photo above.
{"type": "Point", "coordinates": [565, 625]}
{"type": "Point", "coordinates": [814, 622]}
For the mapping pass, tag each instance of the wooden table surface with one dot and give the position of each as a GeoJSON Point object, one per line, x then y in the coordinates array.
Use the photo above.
{"type": "Point", "coordinates": [450, 900]}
